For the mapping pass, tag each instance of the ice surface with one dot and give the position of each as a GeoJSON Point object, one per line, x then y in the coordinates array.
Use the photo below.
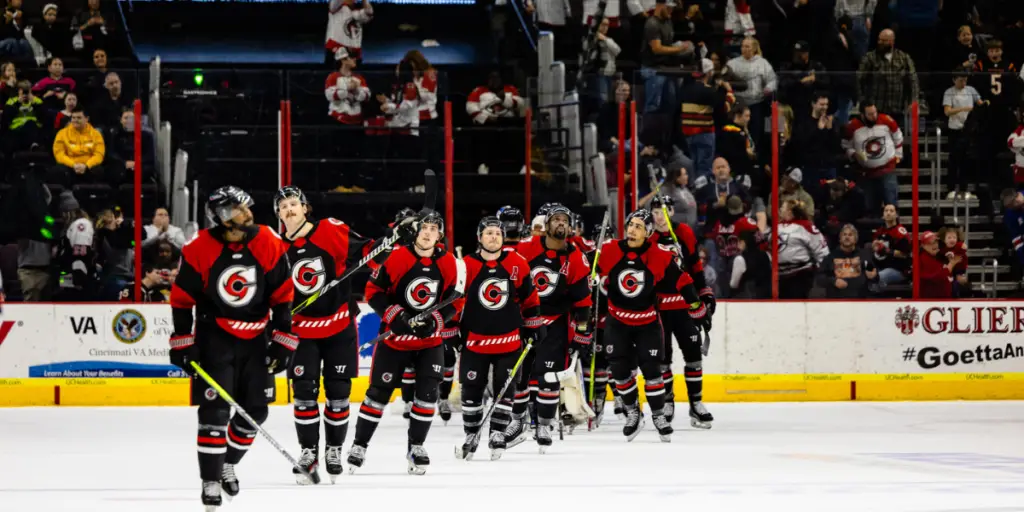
{"type": "Point", "coordinates": [951, 456]}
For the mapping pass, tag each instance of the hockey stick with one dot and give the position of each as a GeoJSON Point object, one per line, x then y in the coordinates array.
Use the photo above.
{"type": "Point", "coordinates": [656, 185]}
{"type": "Point", "coordinates": [430, 185]}
{"type": "Point", "coordinates": [241, 412]}
{"type": "Point", "coordinates": [597, 297]}
{"type": "Point", "coordinates": [706, 345]}
{"type": "Point", "coordinates": [460, 289]}
{"type": "Point", "coordinates": [459, 452]}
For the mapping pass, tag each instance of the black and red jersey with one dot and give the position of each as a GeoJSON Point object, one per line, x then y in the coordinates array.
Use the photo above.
{"type": "Point", "coordinates": [560, 278]}
{"type": "Point", "coordinates": [414, 284]}
{"type": "Point", "coordinates": [690, 260]}
{"type": "Point", "coordinates": [500, 298]}
{"type": "Point", "coordinates": [727, 236]}
{"type": "Point", "coordinates": [318, 258]}
{"type": "Point", "coordinates": [887, 240]}
{"type": "Point", "coordinates": [637, 277]}
{"type": "Point", "coordinates": [234, 285]}
{"type": "Point", "coordinates": [510, 245]}
{"type": "Point", "coordinates": [582, 244]}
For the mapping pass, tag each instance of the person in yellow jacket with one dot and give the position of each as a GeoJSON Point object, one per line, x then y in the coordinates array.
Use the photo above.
{"type": "Point", "coordinates": [79, 150]}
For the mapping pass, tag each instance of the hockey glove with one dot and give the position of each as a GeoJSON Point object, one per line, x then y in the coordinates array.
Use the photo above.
{"type": "Point", "coordinates": [281, 350]}
{"type": "Point", "coordinates": [399, 321]}
{"type": "Point", "coordinates": [407, 230]}
{"type": "Point", "coordinates": [707, 296]}
{"type": "Point", "coordinates": [533, 328]}
{"type": "Point", "coordinates": [700, 316]}
{"type": "Point", "coordinates": [183, 351]}
{"type": "Point", "coordinates": [429, 327]}
{"type": "Point", "coordinates": [582, 339]}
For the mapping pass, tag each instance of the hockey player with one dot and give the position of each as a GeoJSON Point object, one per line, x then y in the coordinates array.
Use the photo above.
{"type": "Point", "coordinates": [322, 250]}
{"type": "Point", "coordinates": [638, 271]}
{"type": "Point", "coordinates": [413, 280]}
{"type": "Point", "coordinates": [560, 275]}
{"type": "Point", "coordinates": [674, 317]}
{"type": "Point", "coordinates": [514, 225]}
{"type": "Point", "coordinates": [236, 276]}
{"type": "Point", "coordinates": [501, 303]}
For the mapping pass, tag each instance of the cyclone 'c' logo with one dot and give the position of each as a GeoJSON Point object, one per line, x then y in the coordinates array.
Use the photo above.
{"type": "Point", "coordinates": [493, 293]}
{"type": "Point", "coordinates": [309, 275]}
{"type": "Point", "coordinates": [237, 285]}
{"type": "Point", "coordinates": [545, 280]}
{"type": "Point", "coordinates": [421, 293]}
{"type": "Point", "coordinates": [631, 282]}
{"type": "Point", "coordinates": [874, 147]}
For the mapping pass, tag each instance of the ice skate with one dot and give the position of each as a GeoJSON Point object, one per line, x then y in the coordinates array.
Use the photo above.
{"type": "Point", "coordinates": [598, 412]}
{"type": "Point", "coordinates": [418, 460]}
{"type": "Point", "coordinates": [497, 444]}
{"type": "Point", "coordinates": [356, 457]}
{"type": "Point", "coordinates": [332, 455]}
{"type": "Point", "coordinates": [468, 448]}
{"type": "Point", "coordinates": [444, 409]}
{"type": "Point", "coordinates": [664, 427]}
{"type": "Point", "coordinates": [515, 433]}
{"type": "Point", "coordinates": [620, 409]}
{"type": "Point", "coordinates": [211, 495]}
{"type": "Point", "coordinates": [228, 480]}
{"type": "Point", "coordinates": [543, 436]}
{"type": "Point", "coordinates": [634, 423]}
{"type": "Point", "coordinates": [669, 409]}
{"type": "Point", "coordinates": [569, 422]}
{"type": "Point", "coordinates": [308, 461]}
{"type": "Point", "coordinates": [699, 416]}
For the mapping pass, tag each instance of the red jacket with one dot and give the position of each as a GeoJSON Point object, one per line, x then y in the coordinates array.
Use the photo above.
{"type": "Point", "coordinates": [936, 279]}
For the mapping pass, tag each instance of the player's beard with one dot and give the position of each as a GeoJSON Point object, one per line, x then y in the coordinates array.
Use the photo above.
{"type": "Point", "coordinates": [559, 233]}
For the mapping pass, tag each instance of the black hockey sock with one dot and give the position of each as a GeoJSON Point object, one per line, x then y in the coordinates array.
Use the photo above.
{"type": "Point", "coordinates": [420, 417]}
{"type": "Point", "coordinates": [408, 385]}
{"type": "Point", "coordinates": [627, 391]}
{"type": "Point", "coordinates": [668, 379]}
{"type": "Point", "coordinates": [472, 413]}
{"type": "Point", "coordinates": [446, 384]}
{"type": "Point", "coordinates": [695, 381]}
{"type": "Point", "coordinates": [370, 413]}
{"type": "Point", "coordinates": [547, 403]}
{"type": "Point", "coordinates": [212, 445]}
{"type": "Point", "coordinates": [654, 391]}
{"type": "Point", "coordinates": [502, 415]}
{"type": "Point", "coordinates": [307, 423]}
{"type": "Point", "coordinates": [239, 440]}
{"type": "Point", "coordinates": [336, 421]}
{"type": "Point", "coordinates": [520, 403]}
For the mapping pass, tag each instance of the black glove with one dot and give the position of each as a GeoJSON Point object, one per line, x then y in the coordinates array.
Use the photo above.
{"type": "Point", "coordinates": [429, 326]}
{"type": "Point", "coordinates": [407, 230]}
{"type": "Point", "coordinates": [183, 351]}
{"type": "Point", "coordinates": [582, 340]}
{"type": "Point", "coordinates": [707, 296]}
{"type": "Point", "coordinates": [533, 332]}
{"type": "Point", "coordinates": [701, 317]}
{"type": "Point", "coordinates": [400, 325]}
{"type": "Point", "coordinates": [282, 348]}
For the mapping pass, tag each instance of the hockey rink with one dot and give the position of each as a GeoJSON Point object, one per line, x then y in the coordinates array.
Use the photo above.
{"type": "Point", "coordinates": [891, 456]}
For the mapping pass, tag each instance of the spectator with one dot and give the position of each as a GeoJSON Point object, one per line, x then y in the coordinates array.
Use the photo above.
{"type": "Point", "coordinates": [693, 27]}
{"type": "Point", "coordinates": [79, 150]}
{"type": "Point", "coordinates": [346, 90]}
{"type": "Point", "coordinates": [936, 273]}
{"type": "Point", "coordinates": [166, 255]}
{"type": "Point", "coordinates": [76, 258]}
{"type": "Point", "coordinates": [845, 272]}
{"type": "Point", "coordinates": [12, 32]}
{"type": "Point", "coordinates": [425, 77]}
{"type": "Point", "coordinates": [402, 114]}
{"type": "Point", "coordinates": [552, 16]}
{"type": "Point", "coordinates": [8, 82]}
{"type": "Point", "coordinates": [860, 13]}
{"type": "Point", "coordinates": [162, 230]}
{"type": "Point", "coordinates": [793, 190]}
{"type": "Point", "coordinates": [660, 49]}
{"type": "Point", "coordinates": [54, 87]}
{"type": "Point", "coordinates": [155, 287]}
{"type": "Point", "coordinates": [815, 145]}
{"type": "Point", "coordinates": [52, 35]}
{"type": "Point", "coordinates": [121, 151]}
{"type": "Point", "coordinates": [64, 116]}
{"type": "Point", "coordinates": [802, 248]}
{"type": "Point", "coordinates": [723, 235]}
{"type": "Point", "coordinates": [842, 63]}
{"type": "Point", "coordinates": [701, 100]}
{"type": "Point", "coordinates": [601, 56]}
{"type": "Point", "coordinates": [345, 29]}
{"type": "Point", "coordinates": [92, 27]}
{"type": "Point", "coordinates": [965, 53]}
{"type": "Point", "coordinates": [537, 225]}
{"type": "Point", "coordinates": [22, 120]}
{"type": "Point", "coordinates": [34, 258]}
{"type": "Point", "coordinates": [95, 84]}
{"type": "Point", "coordinates": [1016, 144]}
{"type": "Point", "coordinates": [761, 84]}
{"type": "Point", "coordinates": [1013, 220]}
{"type": "Point", "coordinates": [751, 276]}
{"type": "Point", "coordinates": [953, 246]}
{"type": "Point", "coordinates": [114, 240]}
{"type": "Point", "coordinates": [734, 144]}
{"type": "Point", "coordinates": [106, 109]}
{"type": "Point", "coordinates": [710, 276]}
{"type": "Point", "coordinates": [608, 119]}
{"type": "Point", "coordinates": [738, 23]}
{"type": "Point", "coordinates": [727, 84]}
{"type": "Point", "coordinates": [712, 197]}
{"type": "Point", "coordinates": [957, 103]}
{"type": "Point", "coordinates": [888, 76]}
{"type": "Point", "coordinates": [891, 248]}
{"type": "Point", "coordinates": [997, 81]}
{"type": "Point", "coordinates": [801, 78]}
{"type": "Point", "coordinates": [844, 205]}
{"type": "Point", "coordinates": [684, 210]}
{"type": "Point", "coordinates": [494, 105]}
{"type": "Point", "coordinates": [874, 143]}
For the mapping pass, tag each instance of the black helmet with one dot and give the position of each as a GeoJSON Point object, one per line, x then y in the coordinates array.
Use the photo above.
{"type": "Point", "coordinates": [403, 214]}
{"type": "Point", "coordinates": [432, 217]}
{"type": "Point", "coordinates": [558, 208]}
{"type": "Point", "coordinates": [286, 192]}
{"type": "Point", "coordinates": [487, 222]}
{"type": "Point", "coordinates": [577, 224]}
{"type": "Point", "coordinates": [645, 216]}
{"type": "Point", "coordinates": [665, 201]}
{"type": "Point", "coordinates": [512, 221]}
{"type": "Point", "coordinates": [546, 208]}
{"type": "Point", "coordinates": [222, 202]}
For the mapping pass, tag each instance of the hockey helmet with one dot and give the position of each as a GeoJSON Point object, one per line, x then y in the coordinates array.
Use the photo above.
{"type": "Point", "coordinates": [487, 222]}
{"type": "Point", "coordinates": [578, 225]}
{"type": "Point", "coordinates": [432, 217]}
{"type": "Point", "coordinates": [220, 206]}
{"type": "Point", "coordinates": [512, 221]}
{"type": "Point", "coordinates": [645, 216]}
{"type": "Point", "coordinates": [558, 208]}
{"type": "Point", "coordinates": [403, 214]}
{"type": "Point", "coordinates": [286, 192]}
{"type": "Point", "coordinates": [545, 208]}
{"type": "Point", "coordinates": [662, 200]}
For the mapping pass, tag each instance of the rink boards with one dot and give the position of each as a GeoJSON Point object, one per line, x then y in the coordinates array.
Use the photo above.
{"type": "Point", "coordinates": [116, 354]}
